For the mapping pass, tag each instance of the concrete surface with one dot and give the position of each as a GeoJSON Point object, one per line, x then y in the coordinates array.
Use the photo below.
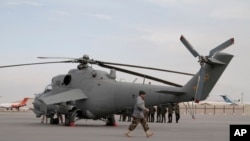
{"type": "Point", "coordinates": [24, 126]}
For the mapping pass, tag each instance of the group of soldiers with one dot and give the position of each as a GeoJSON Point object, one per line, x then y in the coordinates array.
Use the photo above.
{"type": "Point", "coordinates": [156, 113]}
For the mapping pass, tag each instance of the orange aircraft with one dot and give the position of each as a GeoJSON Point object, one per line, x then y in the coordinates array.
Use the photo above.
{"type": "Point", "coordinates": [16, 105]}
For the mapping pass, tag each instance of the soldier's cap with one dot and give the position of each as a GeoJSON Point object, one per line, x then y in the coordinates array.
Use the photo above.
{"type": "Point", "coordinates": [142, 93]}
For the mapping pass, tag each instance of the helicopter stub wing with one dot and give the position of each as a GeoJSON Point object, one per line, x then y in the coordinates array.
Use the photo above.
{"type": "Point", "coordinates": [71, 95]}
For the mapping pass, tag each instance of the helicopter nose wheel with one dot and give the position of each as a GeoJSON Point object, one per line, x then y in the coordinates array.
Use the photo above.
{"type": "Point", "coordinates": [71, 117]}
{"type": "Point", "coordinates": [111, 121]}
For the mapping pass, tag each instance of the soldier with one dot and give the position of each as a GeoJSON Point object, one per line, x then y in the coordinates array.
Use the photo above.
{"type": "Point", "coordinates": [139, 115]}
{"type": "Point", "coordinates": [170, 112]}
{"type": "Point", "coordinates": [158, 113]}
{"type": "Point", "coordinates": [152, 114]}
{"type": "Point", "coordinates": [163, 113]}
{"type": "Point", "coordinates": [60, 117]}
{"type": "Point", "coordinates": [129, 114]}
{"type": "Point", "coordinates": [177, 112]}
{"type": "Point", "coordinates": [123, 115]}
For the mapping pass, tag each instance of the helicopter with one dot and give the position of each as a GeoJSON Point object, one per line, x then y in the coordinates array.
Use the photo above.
{"type": "Point", "coordinates": [87, 93]}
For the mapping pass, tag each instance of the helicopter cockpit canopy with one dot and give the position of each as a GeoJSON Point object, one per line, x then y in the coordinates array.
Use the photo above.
{"type": "Point", "coordinates": [48, 88]}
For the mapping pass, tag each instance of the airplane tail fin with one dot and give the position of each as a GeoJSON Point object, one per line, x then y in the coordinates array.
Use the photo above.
{"type": "Point", "coordinates": [23, 102]}
{"type": "Point", "coordinates": [212, 67]}
{"type": "Point", "coordinates": [226, 99]}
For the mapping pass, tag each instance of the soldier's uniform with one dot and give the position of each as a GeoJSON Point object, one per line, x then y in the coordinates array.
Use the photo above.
{"type": "Point", "coordinates": [139, 116]}
{"type": "Point", "coordinates": [177, 112]}
{"type": "Point", "coordinates": [170, 113]}
{"type": "Point", "coordinates": [158, 113]}
{"type": "Point", "coordinates": [152, 114]}
{"type": "Point", "coordinates": [163, 114]}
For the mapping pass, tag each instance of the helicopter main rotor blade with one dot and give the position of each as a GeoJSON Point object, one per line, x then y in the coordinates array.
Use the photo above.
{"type": "Point", "coordinates": [140, 74]}
{"type": "Point", "coordinates": [41, 57]}
{"type": "Point", "coordinates": [143, 67]}
{"type": "Point", "coordinates": [17, 65]}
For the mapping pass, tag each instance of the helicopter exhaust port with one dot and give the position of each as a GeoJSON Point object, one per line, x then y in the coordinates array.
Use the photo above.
{"type": "Point", "coordinates": [61, 80]}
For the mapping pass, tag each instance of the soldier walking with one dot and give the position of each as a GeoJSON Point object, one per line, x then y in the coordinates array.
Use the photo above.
{"type": "Point", "coordinates": [139, 116]}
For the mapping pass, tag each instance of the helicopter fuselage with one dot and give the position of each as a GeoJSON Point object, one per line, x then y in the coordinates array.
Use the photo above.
{"type": "Point", "coordinates": [104, 95]}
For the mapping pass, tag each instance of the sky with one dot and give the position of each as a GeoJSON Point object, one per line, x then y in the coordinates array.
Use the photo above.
{"type": "Point", "coordinates": [138, 32]}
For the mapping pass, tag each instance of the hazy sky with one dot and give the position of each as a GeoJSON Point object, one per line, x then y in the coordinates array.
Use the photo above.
{"type": "Point", "coordinates": [139, 32]}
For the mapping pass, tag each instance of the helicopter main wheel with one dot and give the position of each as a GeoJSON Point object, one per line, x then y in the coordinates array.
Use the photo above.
{"type": "Point", "coordinates": [54, 120]}
{"type": "Point", "coordinates": [70, 118]}
{"type": "Point", "coordinates": [111, 121]}
{"type": "Point", "coordinates": [67, 120]}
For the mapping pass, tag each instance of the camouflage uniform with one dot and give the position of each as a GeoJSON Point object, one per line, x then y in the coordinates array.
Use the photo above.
{"type": "Point", "coordinates": [177, 112]}
{"type": "Point", "coordinates": [139, 115]}
{"type": "Point", "coordinates": [152, 114]}
{"type": "Point", "coordinates": [163, 113]}
{"type": "Point", "coordinates": [158, 113]}
{"type": "Point", "coordinates": [170, 113]}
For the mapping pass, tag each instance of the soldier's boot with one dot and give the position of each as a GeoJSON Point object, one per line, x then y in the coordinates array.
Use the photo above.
{"type": "Point", "coordinates": [149, 134]}
{"type": "Point", "coordinates": [128, 134]}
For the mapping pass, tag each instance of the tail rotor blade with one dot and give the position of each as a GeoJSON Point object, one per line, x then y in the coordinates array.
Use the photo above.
{"type": "Point", "coordinates": [189, 46]}
{"type": "Point", "coordinates": [221, 47]}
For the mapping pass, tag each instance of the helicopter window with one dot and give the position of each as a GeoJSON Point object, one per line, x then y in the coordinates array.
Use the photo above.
{"type": "Point", "coordinates": [48, 88]}
{"type": "Point", "coordinates": [67, 79]}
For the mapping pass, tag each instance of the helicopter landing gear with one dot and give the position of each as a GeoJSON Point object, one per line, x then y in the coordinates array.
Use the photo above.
{"type": "Point", "coordinates": [54, 121]}
{"type": "Point", "coordinates": [111, 121]}
{"type": "Point", "coordinates": [71, 117]}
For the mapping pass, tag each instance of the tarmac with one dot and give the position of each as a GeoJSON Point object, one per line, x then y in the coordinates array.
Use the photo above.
{"type": "Point", "coordinates": [24, 126]}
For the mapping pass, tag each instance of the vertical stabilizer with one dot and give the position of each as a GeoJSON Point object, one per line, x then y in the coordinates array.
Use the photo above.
{"type": "Point", "coordinates": [212, 66]}
{"type": "Point", "coordinates": [212, 75]}
{"type": "Point", "coordinates": [23, 102]}
{"type": "Point", "coordinates": [227, 100]}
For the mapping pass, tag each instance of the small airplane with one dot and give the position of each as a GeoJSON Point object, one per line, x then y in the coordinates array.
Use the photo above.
{"type": "Point", "coordinates": [87, 93]}
{"type": "Point", "coordinates": [226, 101]}
{"type": "Point", "coordinates": [230, 101]}
{"type": "Point", "coordinates": [14, 105]}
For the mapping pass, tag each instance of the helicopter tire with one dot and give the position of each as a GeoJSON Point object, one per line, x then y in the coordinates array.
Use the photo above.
{"type": "Point", "coordinates": [111, 121]}
{"type": "Point", "coordinates": [67, 120]}
{"type": "Point", "coordinates": [54, 120]}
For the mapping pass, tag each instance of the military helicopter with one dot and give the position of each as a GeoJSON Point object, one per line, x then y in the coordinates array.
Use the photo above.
{"type": "Point", "coordinates": [86, 93]}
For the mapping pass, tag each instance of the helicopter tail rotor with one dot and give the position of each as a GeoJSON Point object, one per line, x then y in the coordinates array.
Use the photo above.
{"type": "Point", "coordinates": [204, 62]}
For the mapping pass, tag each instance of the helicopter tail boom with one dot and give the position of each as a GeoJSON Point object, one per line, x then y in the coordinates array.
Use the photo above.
{"type": "Point", "coordinates": [213, 71]}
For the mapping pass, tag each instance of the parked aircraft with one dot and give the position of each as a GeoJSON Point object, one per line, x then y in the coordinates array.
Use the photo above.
{"type": "Point", "coordinates": [226, 101]}
{"type": "Point", "coordinates": [87, 93]}
{"type": "Point", "coordinates": [229, 101]}
{"type": "Point", "coordinates": [16, 105]}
